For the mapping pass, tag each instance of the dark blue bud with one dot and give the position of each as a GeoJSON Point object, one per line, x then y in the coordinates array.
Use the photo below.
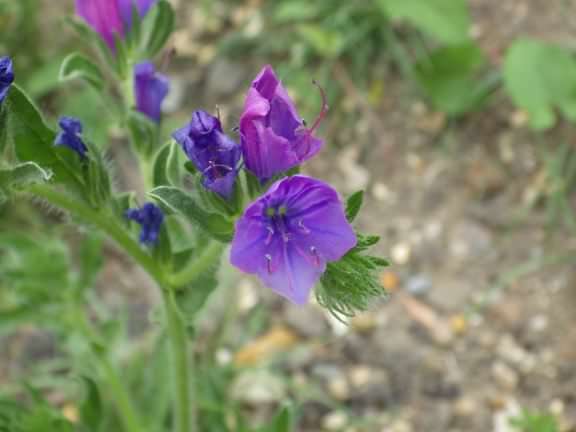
{"type": "Point", "coordinates": [150, 217]}
{"type": "Point", "coordinates": [6, 77]}
{"type": "Point", "coordinates": [211, 151]}
{"type": "Point", "coordinates": [70, 135]}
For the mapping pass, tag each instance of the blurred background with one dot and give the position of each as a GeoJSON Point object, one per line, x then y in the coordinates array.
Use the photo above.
{"type": "Point", "coordinates": [457, 117]}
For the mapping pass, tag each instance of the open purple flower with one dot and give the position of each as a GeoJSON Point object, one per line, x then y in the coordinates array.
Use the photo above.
{"type": "Point", "coordinates": [211, 151]}
{"type": "Point", "coordinates": [273, 137]}
{"type": "Point", "coordinates": [71, 135]}
{"type": "Point", "coordinates": [111, 17]}
{"type": "Point", "coordinates": [6, 77]}
{"type": "Point", "coordinates": [287, 236]}
{"type": "Point", "coordinates": [150, 217]}
{"type": "Point", "coordinates": [150, 89]}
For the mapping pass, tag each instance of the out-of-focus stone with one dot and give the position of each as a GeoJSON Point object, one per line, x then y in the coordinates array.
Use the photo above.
{"type": "Point", "coordinates": [309, 321]}
{"type": "Point", "coordinates": [335, 421]}
{"type": "Point", "coordinates": [505, 376]}
{"type": "Point", "coordinates": [255, 387]}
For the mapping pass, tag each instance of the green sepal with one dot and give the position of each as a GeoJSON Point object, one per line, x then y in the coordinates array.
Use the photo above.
{"type": "Point", "coordinates": [176, 200]}
{"type": "Point", "coordinates": [143, 133]}
{"type": "Point", "coordinates": [353, 205]}
{"type": "Point", "coordinates": [77, 66]}
{"type": "Point", "coordinates": [157, 27]}
{"type": "Point", "coordinates": [351, 284]}
{"type": "Point", "coordinates": [166, 170]}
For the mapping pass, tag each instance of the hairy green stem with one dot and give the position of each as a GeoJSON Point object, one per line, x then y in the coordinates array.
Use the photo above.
{"type": "Point", "coordinates": [184, 413]}
{"type": "Point", "coordinates": [105, 222]}
{"type": "Point", "coordinates": [201, 264]}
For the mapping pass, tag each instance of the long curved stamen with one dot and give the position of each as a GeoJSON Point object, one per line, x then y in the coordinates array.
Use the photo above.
{"type": "Point", "coordinates": [323, 109]}
{"type": "Point", "coordinates": [268, 263]}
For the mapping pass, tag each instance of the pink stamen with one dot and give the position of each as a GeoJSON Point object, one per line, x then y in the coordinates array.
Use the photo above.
{"type": "Point", "coordinates": [268, 263]}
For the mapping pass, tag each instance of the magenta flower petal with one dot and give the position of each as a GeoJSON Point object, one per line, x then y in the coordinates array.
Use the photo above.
{"type": "Point", "coordinates": [150, 88]}
{"type": "Point", "coordinates": [103, 16]}
{"type": "Point", "coordinates": [273, 136]}
{"type": "Point", "coordinates": [287, 236]}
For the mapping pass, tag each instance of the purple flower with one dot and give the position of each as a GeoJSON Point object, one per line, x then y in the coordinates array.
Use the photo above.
{"type": "Point", "coordinates": [150, 217]}
{"type": "Point", "coordinates": [211, 151]}
{"type": "Point", "coordinates": [274, 138]}
{"type": "Point", "coordinates": [288, 235]}
{"type": "Point", "coordinates": [110, 17]}
{"type": "Point", "coordinates": [150, 89]}
{"type": "Point", "coordinates": [6, 77]}
{"type": "Point", "coordinates": [70, 135]}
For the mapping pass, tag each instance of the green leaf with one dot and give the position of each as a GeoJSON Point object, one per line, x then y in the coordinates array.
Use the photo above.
{"type": "Point", "coordinates": [157, 27]}
{"type": "Point", "coordinates": [22, 175]}
{"type": "Point", "coordinates": [327, 43]}
{"type": "Point", "coordinates": [143, 132]}
{"type": "Point", "coordinates": [529, 422]}
{"type": "Point", "coordinates": [77, 66]}
{"type": "Point", "coordinates": [353, 205]}
{"type": "Point", "coordinates": [178, 201]}
{"type": "Point", "coordinates": [447, 20]}
{"type": "Point", "coordinates": [166, 171]}
{"type": "Point", "coordinates": [91, 409]}
{"type": "Point", "coordinates": [352, 283]}
{"type": "Point", "coordinates": [296, 11]}
{"type": "Point", "coordinates": [3, 130]}
{"type": "Point", "coordinates": [540, 78]}
{"type": "Point", "coordinates": [34, 141]}
{"type": "Point", "coordinates": [192, 298]}
{"type": "Point", "coordinates": [283, 421]}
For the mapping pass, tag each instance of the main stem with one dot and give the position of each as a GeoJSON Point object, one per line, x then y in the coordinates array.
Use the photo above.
{"type": "Point", "coordinates": [184, 414]}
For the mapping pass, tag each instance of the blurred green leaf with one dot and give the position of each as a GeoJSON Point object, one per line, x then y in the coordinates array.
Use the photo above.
{"type": "Point", "coordinates": [450, 77]}
{"type": "Point", "coordinates": [157, 27]}
{"type": "Point", "coordinates": [541, 77]}
{"type": "Point", "coordinates": [535, 423]}
{"type": "Point", "coordinates": [296, 10]}
{"type": "Point", "coordinates": [77, 66]}
{"type": "Point", "coordinates": [447, 20]}
{"type": "Point", "coordinates": [91, 410]}
{"type": "Point", "coordinates": [327, 43]}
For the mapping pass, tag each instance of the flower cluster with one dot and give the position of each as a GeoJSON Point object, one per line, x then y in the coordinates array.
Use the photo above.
{"type": "Point", "coordinates": [288, 235]}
